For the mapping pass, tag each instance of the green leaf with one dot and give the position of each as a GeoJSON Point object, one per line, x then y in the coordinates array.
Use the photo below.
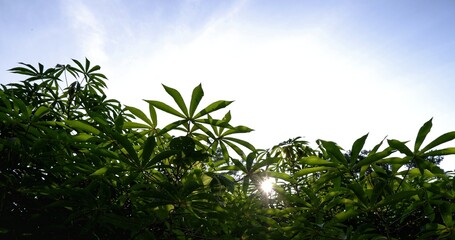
{"type": "Point", "coordinates": [400, 146]}
{"type": "Point", "coordinates": [82, 126]}
{"type": "Point", "coordinates": [94, 68]}
{"type": "Point", "coordinates": [357, 147]}
{"type": "Point", "coordinates": [246, 184]}
{"type": "Point", "coordinates": [343, 216]}
{"type": "Point", "coordinates": [141, 115]}
{"type": "Point", "coordinates": [182, 144]}
{"type": "Point", "coordinates": [417, 172]}
{"type": "Point", "coordinates": [264, 162]}
{"type": "Point", "coordinates": [446, 214]}
{"type": "Point", "coordinates": [5, 100]}
{"type": "Point", "coordinates": [395, 198]}
{"type": "Point", "coordinates": [423, 132]}
{"type": "Point", "coordinates": [215, 122]}
{"type": "Point", "coordinates": [153, 115]}
{"type": "Point", "coordinates": [177, 98]}
{"type": "Point", "coordinates": [241, 142]}
{"type": "Point", "coordinates": [82, 137]}
{"type": "Point", "coordinates": [249, 161]}
{"type": "Point", "coordinates": [171, 126]}
{"type": "Point", "coordinates": [358, 191]}
{"type": "Point", "coordinates": [371, 158]}
{"type": "Point", "coordinates": [166, 108]}
{"type": "Point", "coordinates": [375, 149]}
{"type": "Point", "coordinates": [334, 150]}
{"type": "Point", "coordinates": [100, 171]}
{"type": "Point", "coordinates": [314, 160]}
{"type": "Point", "coordinates": [22, 107]}
{"type": "Point", "coordinates": [125, 143]}
{"type": "Point", "coordinates": [307, 171]}
{"type": "Point", "coordinates": [227, 117]}
{"type": "Point", "coordinates": [440, 140]}
{"type": "Point", "coordinates": [395, 160]}
{"type": "Point", "coordinates": [213, 107]}
{"type": "Point", "coordinates": [147, 151]}
{"type": "Point", "coordinates": [440, 152]}
{"type": "Point", "coordinates": [161, 156]}
{"type": "Point", "coordinates": [81, 68]}
{"type": "Point", "coordinates": [128, 125]}
{"type": "Point", "coordinates": [205, 130]}
{"type": "Point", "coordinates": [196, 97]}
{"type": "Point", "coordinates": [87, 64]}
{"type": "Point", "coordinates": [235, 148]}
{"type": "Point", "coordinates": [224, 151]}
{"type": "Point", "coordinates": [119, 123]}
{"type": "Point", "coordinates": [40, 112]}
{"type": "Point", "coordinates": [240, 166]}
{"type": "Point", "coordinates": [280, 175]}
{"type": "Point", "coordinates": [238, 129]}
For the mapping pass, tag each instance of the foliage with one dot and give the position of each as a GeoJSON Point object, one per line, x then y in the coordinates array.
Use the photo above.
{"type": "Point", "coordinates": [75, 164]}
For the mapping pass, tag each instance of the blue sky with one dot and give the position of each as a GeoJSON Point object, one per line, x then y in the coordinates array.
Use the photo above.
{"type": "Point", "coordinates": [333, 70]}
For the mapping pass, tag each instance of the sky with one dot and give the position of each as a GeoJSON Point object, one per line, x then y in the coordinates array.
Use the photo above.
{"type": "Point", "coordinates": [332, 70]}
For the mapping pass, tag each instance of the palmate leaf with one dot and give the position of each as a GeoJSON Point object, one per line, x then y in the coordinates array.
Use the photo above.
{"type": "Point", "coordinates": [178, 99]}
{"type": "Point", "coordinates": [196, 97]}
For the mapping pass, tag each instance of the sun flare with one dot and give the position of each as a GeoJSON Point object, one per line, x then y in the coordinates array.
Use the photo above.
{"type": "Point", "coordinates": [267, 185]}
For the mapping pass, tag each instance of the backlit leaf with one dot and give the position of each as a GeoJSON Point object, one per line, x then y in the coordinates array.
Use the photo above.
{"type": "Point", "coordinates": [82, 126]}
{"type": "Point", "coordinates": [177, 98]}
{"type": "Point", "coordinates": [196, 97]}
{"type": "Point", "coordinates": [423, 132]}
{"type": "Point", "coordinates": [213, 107]}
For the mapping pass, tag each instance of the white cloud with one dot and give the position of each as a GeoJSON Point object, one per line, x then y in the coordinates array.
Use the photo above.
{"type": "Point", "coordinates": [87, 29]}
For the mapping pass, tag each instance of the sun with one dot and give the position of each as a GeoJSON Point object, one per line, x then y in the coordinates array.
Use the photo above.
{"type": "Point", "coordinates": [267, 185]}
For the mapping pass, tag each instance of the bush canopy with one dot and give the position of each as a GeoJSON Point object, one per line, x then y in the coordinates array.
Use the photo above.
{"type": "Point", "coordinates": [78, 165]}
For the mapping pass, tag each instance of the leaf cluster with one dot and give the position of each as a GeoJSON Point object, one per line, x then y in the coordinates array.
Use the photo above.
{"type": "Point", "coordinates": [77, 165]}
